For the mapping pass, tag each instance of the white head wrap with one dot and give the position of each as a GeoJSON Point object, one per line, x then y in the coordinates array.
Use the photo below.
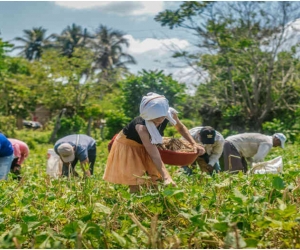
{"type": "Point", "coordinates": [152, 107]}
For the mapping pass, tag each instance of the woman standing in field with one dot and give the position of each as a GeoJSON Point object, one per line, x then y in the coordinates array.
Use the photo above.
{"type": "Point", "coordinates": [134, 153]}
{"type": "Point", "coordinates": [6, 156]}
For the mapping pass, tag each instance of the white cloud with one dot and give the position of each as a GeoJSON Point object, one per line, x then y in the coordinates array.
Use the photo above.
{"type": "Point", "coordinates": [160, 46]}
{"type": "Point", "coordinates": [122, 8]}
{"type": "Point", "coordinates": [156, 54]}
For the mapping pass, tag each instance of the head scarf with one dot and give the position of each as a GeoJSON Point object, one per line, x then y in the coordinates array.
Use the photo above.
{"type": "Point", "coordinates": [153, 106]}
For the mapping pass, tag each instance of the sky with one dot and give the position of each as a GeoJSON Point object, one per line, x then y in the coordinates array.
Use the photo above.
{"type": "Point", "coordinates": [150, 43]}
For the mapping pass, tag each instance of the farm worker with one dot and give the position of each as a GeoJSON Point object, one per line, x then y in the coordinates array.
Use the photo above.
{"type": "Point", "coordinates": [213, 143]}
{"type": "Point", "coordinates": [76, 147]}
{"type": "Point", "coordinates": [6, 156]}
{"type": "Point", "coordinates": [134, 152]}
{"type": "Point", "coordinates": [248, 147]}
{"type": "Point", "coordinates": [21, 152]}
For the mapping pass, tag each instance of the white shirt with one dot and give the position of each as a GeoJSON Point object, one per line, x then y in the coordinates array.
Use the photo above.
{"type": "Point", "coordinates": [253, 146]}
{"type": "Point", "coordinates": [213, 150]}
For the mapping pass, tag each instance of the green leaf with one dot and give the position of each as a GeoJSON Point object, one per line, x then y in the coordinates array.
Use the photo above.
{"type": "Point", "coordinates": [198, 221]}
{"type": "Point", "coordinates": [251, 243]}
{"type": "Point", "coordinates": [278, 183]}
{"type": "Point", "coordinates": [30, 218]}
{"type": "Point", "coordinates": [221, 226]}
{"type": "Point", "coordinates": [290, 210]}
{"type": "Point", "coordinates": [119, 238]}
{"type": "Point", "coordinates": [171, 192]}
{"type": "Point", "coordinates": [86, 217]}
{"type": "Point", "coordinates": [101, 208]}
{"type": "Point", "coordinates": [238, 194]}
{"type": "Point", "coordinates": [70, 230]}
{"type": "Point", "coordinates": [93, 229]}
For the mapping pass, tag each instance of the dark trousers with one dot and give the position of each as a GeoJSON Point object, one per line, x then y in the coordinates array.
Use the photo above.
{"type": "Point", "coordinates": [14, 164]}
{"type": "Point", "coordinates": [16, 169]}
{"type": "Point", "coordinates": [92, 159]}
{"type": "Point", "coordinates": [233, 161]}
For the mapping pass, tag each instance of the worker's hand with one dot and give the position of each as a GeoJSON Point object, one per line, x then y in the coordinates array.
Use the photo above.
{"type": "Point", "coordinates": [210, 168]}
{"type": "Point", "coordinates": [168, 181]}
{"type": "Point", "coordinates": [200, 150]}
{"type": "Point", "coordinates": [87, 173]}
{"type": "Point", "coordinates": [16, 169]}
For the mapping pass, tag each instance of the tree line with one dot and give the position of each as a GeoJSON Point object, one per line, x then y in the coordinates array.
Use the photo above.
{"type": "Point", "coordinates": [244, 55]}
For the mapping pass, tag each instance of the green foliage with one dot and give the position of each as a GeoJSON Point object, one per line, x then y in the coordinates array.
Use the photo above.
{"type": "Point", "coordinates": [282, 126]}
{"type": "Point", "coordinates": [7, 125]}
{"type": "Point", "coordinates": [234, 54]}
{"type": "Point", "coordinates": [234, 117]}
{"type": "Point", "coordinates": [93, 110]}
{"type": "Point", "coordinates": [33, 142]}
{"type": "Point", "coordinates": [177, 18]}
{"type": "Point", "coordinates": [135, 87]}
{"type": "Point", "coordinates": [73, 125]}
{"type": "Point", "coordinates": [18, 94]}
{"type": "Point", "coordinates": [170, 131]}
{"type": "Point", "coordinates": [115, 122]}
{"type": "Point", "coordinates": [228, 132]}
{"type": "Point", "coordinates": [189, 123]}
{"type": "Point", "coordinates": [202, 212]}
{"type": "Point", "coordinates": [34, 41]}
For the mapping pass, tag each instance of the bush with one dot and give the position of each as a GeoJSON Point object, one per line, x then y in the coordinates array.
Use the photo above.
{"type": "Point", "coordinates": [278, 126]}
{"type": "Point", "coordinates": [7, 125]}
{"type": "Point", "coordinates": [74, 125]}
{"type": "Point", "coordinates": [190, 123]}
{"type": "Point", "coordinates": [115, 122]}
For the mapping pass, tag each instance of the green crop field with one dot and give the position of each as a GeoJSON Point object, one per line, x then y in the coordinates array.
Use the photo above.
{"type": "Point", "coordinates": [219, 211]}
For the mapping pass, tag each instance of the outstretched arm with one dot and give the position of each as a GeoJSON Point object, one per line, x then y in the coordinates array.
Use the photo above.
{"type": "Point", "coordinates": [182, 129]}
{"type": "Point", "coordinates": [154, 153]}
{"type": "Point", "coordinates": [262, 151]}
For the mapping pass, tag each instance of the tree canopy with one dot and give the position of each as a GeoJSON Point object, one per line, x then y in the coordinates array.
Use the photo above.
{"type": "Point", "coordinates": [243, 46]}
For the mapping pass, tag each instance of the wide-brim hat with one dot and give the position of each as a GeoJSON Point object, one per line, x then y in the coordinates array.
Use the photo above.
{"type": "Point", "coordinates": [66, 152]}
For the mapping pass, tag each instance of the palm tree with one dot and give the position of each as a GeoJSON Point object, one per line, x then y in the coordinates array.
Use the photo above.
{"type": "Point", "coordinates": [107, 46]}
{"type": "Point", "coordinates": [34, 41]}
{"type": "Point", "coordinates": [72, 37]}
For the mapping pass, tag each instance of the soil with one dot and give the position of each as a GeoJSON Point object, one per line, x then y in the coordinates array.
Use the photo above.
{"type": "Point", "coordinates": [177, 145]}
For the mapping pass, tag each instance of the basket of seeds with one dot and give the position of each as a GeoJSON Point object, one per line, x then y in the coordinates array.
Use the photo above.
{"type": "Point", "coordinates": [176, 152]}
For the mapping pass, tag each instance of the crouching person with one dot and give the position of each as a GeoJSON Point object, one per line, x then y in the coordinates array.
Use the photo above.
{"type": "Point", "coordinates": [241, 149]}
{"type": "Point", "coordinates": [134, 152]}
{"type": "Point", "coordinates": [76, 147]}
{"type": "Point", "coordinates": [213, 143]}
{"type": "Point", "coordinates": [21, 152]}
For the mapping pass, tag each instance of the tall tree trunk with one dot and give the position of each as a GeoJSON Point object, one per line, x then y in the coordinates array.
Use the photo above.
{"type": "Point", "coordinates": [19, 122]}
{"type": "Point", "coordinates": [57, 126]}
{"type": "Point", "coordinates": [89, 126]}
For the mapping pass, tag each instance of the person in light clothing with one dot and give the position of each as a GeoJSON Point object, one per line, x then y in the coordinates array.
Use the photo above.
{"type": "Point", "coordinates": [134, 153]}
{"type": "Point", "coordinates": [213, 143]}
{"type": "Point", "coordinates": [76, 147]}
{"type": "Point", "coordinates": [21, 152]}
{"type": "Point", "coordinates": [249, 147]}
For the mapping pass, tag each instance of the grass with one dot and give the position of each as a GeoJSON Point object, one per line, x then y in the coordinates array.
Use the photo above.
{"type": "Point", "coordinates": [220, 211]}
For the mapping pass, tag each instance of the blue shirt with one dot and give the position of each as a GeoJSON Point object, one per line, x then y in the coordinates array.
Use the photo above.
{"type": "Point", "coordinates": [6, 148]}
{"type": "Point", "coordinates": [85, 143]}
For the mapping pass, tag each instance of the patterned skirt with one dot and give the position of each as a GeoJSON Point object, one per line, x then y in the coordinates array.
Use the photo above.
{"type": "Point", "coordinates": [129, 163]}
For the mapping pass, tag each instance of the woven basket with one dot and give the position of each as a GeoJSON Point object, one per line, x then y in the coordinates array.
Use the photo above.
{"type": "Point", "coordinates": [177, 158]}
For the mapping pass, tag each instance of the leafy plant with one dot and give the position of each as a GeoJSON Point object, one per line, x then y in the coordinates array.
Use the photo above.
{"type": "Point", "coordinates": [73, 125]}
